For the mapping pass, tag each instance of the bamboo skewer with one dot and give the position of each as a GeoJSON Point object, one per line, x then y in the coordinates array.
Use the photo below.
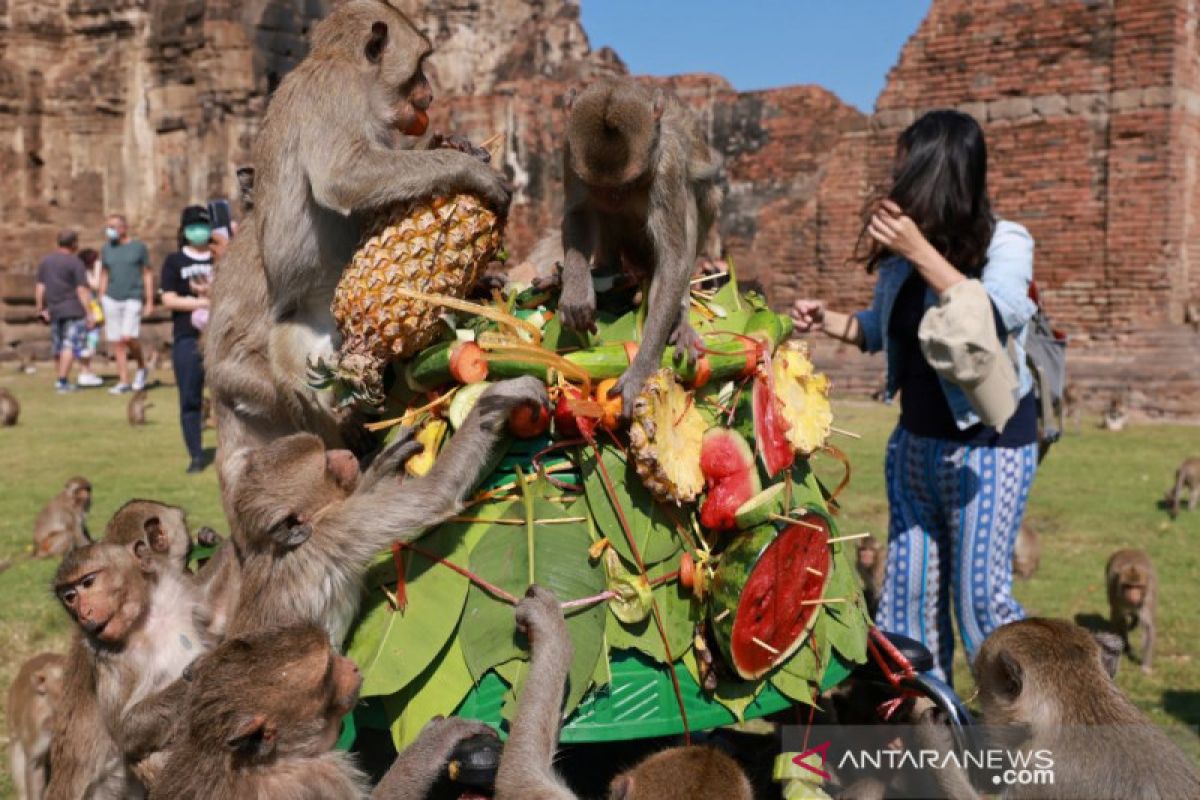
{"type": "Point", "coordinates": [721, 616]}
{"type": "Point", "coordinates": [822, 601]}
{"type": "Point", "coordinates": [863, 535]}
{"type": "Point", "coordinates": [764, 645]}
{"type": "Point", "coordinates": [816, 572]}
{"type": "Point", "coordinates": [851, 434]}
{"type": "Point", "coordinates": [794, 521]}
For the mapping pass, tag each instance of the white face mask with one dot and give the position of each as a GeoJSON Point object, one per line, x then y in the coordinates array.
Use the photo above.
{"type": "Point", "coordinates": [112, 234]}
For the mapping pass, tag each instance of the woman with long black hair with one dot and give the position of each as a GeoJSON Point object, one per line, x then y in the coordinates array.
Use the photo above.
{"type": "Point", "coordinates": [186, 274]}
{"type": "Point", "coordinates": [950, 311]}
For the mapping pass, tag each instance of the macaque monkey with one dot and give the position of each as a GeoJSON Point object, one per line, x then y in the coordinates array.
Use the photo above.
{"type": "Point", "coordinates": [339, 141]}
{"type": "Point", "coordinates": [1187, 477]}
{"type": "Point", "coordinates": [1027, 552]}
{"type": "Point", "coordinates": [10, 409]}
{"type": "Point", "coordinates": [136, 410]}
{"type": "Point", "coordinates": [526, 767]}
{"type": "Point", "coordinates": [143, 622]}
{"type": "Point", "coordinates": [62, 523]}
{"type": "Point", "coordinates": [307, 526]}
{"type": "Point", "coordinates": [33, 700]}
{"type": "Point", "coordinates": [1046, 678]}
{"type": "Point", "coordinates": [1115, 416]}
{"type": "Point", "coordinates": [641, 189]}
{"type": "Point", "coordinates": [262, 713]}
{"type": "Point", "coordinates": [1132, 597]}
{"type": "Point", "coordinates": [1072, 406]}
{"type": "Point", "coordinates": [872, 564]}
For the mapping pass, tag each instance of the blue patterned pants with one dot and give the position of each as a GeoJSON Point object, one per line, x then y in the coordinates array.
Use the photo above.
{"type": "Point", "coordinates": [955, 510]}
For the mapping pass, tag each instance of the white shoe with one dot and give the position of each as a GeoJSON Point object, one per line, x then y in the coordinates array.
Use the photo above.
{"type": "Point", "coordinates": [139, 380]}
{"type": "Point", "coordinates": [120, 388]}
{"type": "Point", "coordinates": [89, 379]}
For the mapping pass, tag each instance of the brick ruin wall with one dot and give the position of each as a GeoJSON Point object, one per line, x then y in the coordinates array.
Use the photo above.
{"type": "Point", "coordinates": [1091, 110]}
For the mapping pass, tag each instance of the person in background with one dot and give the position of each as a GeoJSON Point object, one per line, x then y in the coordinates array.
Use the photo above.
{"type": "Point", "coordinates": [61, 297]}
{"type": "Point", "coordinates": [126, 295]}
{"type": "Point", "coordinates": [186, 274]}
{"type": "Point", "coordinates": [91, 263]}
{"type": "Point", "coordinates": [951, 312]}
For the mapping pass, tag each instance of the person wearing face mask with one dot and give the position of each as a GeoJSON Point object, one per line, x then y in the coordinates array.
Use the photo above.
{"type": "Point", "coordinates": [186, 274]}
{"type": "Point", "coordinates": [126, 296]}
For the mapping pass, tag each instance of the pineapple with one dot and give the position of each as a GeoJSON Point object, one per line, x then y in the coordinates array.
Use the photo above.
{"type": "Point", "coordinates": [804, 396]}
{"type": "Point", "coordinates": [436, 246]}
{"type": "Point", "coordinates": [665, 438]}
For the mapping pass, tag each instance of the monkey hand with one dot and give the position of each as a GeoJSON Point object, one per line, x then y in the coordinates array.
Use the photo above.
{"type": "Point", "coordinates": [577, 305]}
{"type": "Point", "coordinates": [630, 384]}
{"type": "Point", "coordinates": [540, 617]}
{"type": "Point", "coordinates": [207, 537]}
{"type": "Point", "coordinates": [414, 771]}
{"type": "Point", "coordinates": [687, 343]}
{"type": "Point", "coordinates": [462, 144]}
{"type": "Point", "coordinates": [391, 460]}
{"type": "Point", "coordinates": [479, 178]}
{"type": "Point", "coordinates": [501, 399]}
{"type": "Point", "coordinates": [441, 735]}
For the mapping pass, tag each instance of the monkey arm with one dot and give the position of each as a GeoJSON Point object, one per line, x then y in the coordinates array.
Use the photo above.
{"type": "Point", "coordinates": [526, 768]}
{"type": "Point", "coordinates": [933, 734]}
{"type": "Point", "coordinates": [149, 726]}
{"type": "Point", "coordinates": [673, 228]}
{"type": "Point", "coordinates": [577, 302]}
{"type": "Point", "coordinates": [367, 177]}
{"type": "Point", "coordinates": [414, 771]}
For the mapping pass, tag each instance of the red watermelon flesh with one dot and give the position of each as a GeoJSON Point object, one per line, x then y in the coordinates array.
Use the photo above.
{"type": "Point", "coordinates": [770, 428]}
{"type": "Point", "coordinates": [728, 467]}
{"type": "Point", "coordinates": [770, 607]}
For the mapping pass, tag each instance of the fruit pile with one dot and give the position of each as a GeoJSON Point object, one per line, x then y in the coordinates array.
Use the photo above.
{"type": "Point", "coordinates": [690, 535]}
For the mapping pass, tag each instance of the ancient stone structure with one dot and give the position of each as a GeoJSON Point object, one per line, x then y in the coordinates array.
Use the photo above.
{"type": "Point", "coordinates": [1092, 111]}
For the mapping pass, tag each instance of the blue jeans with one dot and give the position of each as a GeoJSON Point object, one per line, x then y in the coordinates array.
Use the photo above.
{"type": "Point", "coordinates": [955, 511]}
{"type": "Point", "coordinates": [189, 378]}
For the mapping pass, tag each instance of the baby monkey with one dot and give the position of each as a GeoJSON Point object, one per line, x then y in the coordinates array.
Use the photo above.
{"type": "Point", "coordinates": [641, 190]}
{"type": "Point", "coordinates": [1187, 482]}
{"type": "Point", "coordinates": [33, 700]}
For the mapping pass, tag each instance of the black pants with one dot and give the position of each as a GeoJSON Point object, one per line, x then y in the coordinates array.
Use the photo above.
{"type": "Point", "coordinates": [189, 377]}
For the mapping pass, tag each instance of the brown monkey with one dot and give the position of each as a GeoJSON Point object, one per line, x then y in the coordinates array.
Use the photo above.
{"type": "Point", "coordinates": [526, 768]}
{"type": "Point", "coordinates": [1072, 406]}
{"type": "Point", "coordinates": [262, 713]}
{"type": "Point", "coordinates": [641, 189]}
{"type": "Point", "coordinates": [335, 145]}
{"type": "Point", "coordinates": [10, 409]}
{"type": "Point", "coordinates": [143, 623]}
{"type": "Point", "coordinates": [62, 524]}
{"type": "Point", "coordinates": [1046, 680]}
{"type": "Point", "coordinates": [1027, 552]}
{"type": "Point", "coordinates": [307, 527]}
{"type": "Point", "coordinates": [1116, 416]}
{"type": "Point", "coordinates": [135, 412]}
{"type": "Point", "coordinates": [1186, 477]}
{"type": "Point", "coordinates": [1132, 598]}
{"type": "Point", "coordinates": [872, 564]}
{"type": "Point", "coordinates": [33, 700]}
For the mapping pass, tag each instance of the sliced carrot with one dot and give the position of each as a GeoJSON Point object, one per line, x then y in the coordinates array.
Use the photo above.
{"type": "Point", "coordinates": [528, 422]}
{"type": "Point", "coordinates": [611, 419]}
{"type": "Point", "coordinates": [631, 350]}
{"type": "Point", "coordinates": [687, 570]}
{"type": "Point", "coordinates": [468, 364]}
{"type": "Point", "coordinates": [703, 372]}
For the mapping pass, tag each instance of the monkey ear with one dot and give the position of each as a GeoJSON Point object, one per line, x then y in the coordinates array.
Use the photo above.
{"type": "Point", "coordinates": [155, 535]}
{"type": "Point", "coordinates": [569, 98]}
{"type": "Point", "coordinates": [377, 42]}
{"type": "Point", "coordinates": [621, 787]}
{"type": "Point", "coordinates": [293, 533]}
{"type": "Point", "coordinates": [1009, 676]}
{"type": "Point", "coordinates": [658, 103]}
{"type": "Point", "coordinates": [254, 736]}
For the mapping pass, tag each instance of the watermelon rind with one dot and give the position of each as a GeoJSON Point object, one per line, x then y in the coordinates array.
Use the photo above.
{"type": "Point", "coordinates": [760, 508]}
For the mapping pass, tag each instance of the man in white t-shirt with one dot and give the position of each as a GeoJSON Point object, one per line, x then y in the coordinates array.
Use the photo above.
{"type": "Point", "coordinates": [126, 295]}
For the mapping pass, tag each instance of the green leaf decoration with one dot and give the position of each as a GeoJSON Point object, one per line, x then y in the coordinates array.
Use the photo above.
{"type": "Point", "coordinates": [439, 689]}
{"type": "Point", "coordinates": [633, 596]}
{"type": "Point", "coordinates": [551, 555]}
{"type": "Point", "coordinates": [678, 616]}
{"type": "Point", "coordinates": [735, 695]}
{"type": "Point", "coordinates": [649, 522]}
{"type": "Point", "coordinates": [392, 647]}
{"type": "Point", "coordinates": [614, 330]}
{"type": "Point", "coordinates": [798, 676]}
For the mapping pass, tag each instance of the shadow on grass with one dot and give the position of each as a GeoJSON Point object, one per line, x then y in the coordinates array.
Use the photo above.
{"type": "Point", "coordinates": [1183, 705]}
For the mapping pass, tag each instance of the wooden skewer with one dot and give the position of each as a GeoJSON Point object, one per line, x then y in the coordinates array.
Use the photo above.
{"type": "Point", "coordinates": [721, 616]}
{"type": "Point", "coordinates": [487, 143]}
{"type": "Point", "coordinates": [559, 520]}
{"type": "Point", "coordinates": [851, 434]}
{"type": "Point", "coordinates": [816, 572]}
{"type": "Point", "coordinates": [764, 645]}
{"type": "Point", "coordinates": [500, 521]}
{"type": "Point", "coordinates": [793, 521]}
{"type": "Point", "coordinates": [848, 538]}
{"type": "Point", "coordinates": [822, 601]}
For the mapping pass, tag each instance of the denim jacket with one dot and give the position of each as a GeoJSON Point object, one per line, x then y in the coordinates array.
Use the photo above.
{"type": "Point", "coordinates": [1006, 277]}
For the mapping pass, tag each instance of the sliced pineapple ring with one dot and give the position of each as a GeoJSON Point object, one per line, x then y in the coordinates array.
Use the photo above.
{"type": "Point", "coordinates": [665, 438]}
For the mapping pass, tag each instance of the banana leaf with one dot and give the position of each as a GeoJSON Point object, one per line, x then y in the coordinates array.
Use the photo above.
{"type": "Point", "coordinates": [438, 690]}
{"type": "Point", "coordinates": [648, 521]}
{"type": "Point", "coordinates": [678, 617]}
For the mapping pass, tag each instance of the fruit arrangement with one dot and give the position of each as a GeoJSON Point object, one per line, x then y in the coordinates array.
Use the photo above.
{"type": "Point", "coordinates": [688, 539]}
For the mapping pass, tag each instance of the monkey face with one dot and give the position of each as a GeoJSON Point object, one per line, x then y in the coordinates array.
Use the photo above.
{"type": "Point", "coordinates": [80, 491]}
{"type": "Point", "coordinates": [1134, 594]}
{"type": "Point", "coordinates": [48, 682]}
{"type": "Point", "coordinates": [104, 596]}
{"type": "Point", "coordinates": [866, 556]}
{"type": "Point", "coordinates": [396, 51]}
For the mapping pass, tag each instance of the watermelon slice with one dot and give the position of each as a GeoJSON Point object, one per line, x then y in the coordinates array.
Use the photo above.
{"type": "Point", "coordinates": [728, 467]}
{"type": "Point", "coordinates": [760, 593]}
{"type": "Point", "coordinates": [758, 509]}
{"type": "Point", "coordinates": [770, 428]}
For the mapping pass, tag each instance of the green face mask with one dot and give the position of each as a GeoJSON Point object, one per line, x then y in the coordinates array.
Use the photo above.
{"type": "Point", "coordinates": [197, 235]}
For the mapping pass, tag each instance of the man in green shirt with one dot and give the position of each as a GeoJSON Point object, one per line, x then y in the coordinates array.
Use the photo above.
{"type": "Point", "coordinates": [127, 295]}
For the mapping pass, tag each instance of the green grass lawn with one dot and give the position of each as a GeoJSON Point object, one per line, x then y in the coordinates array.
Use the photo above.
{"type": "Point", "coordinates": [1096, 493]}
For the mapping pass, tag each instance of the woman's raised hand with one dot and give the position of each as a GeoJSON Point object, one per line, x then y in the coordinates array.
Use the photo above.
{"type": "Point", "coordinates": [896, 231]}
{"type": "Point", "coordinates": [808, 315]}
